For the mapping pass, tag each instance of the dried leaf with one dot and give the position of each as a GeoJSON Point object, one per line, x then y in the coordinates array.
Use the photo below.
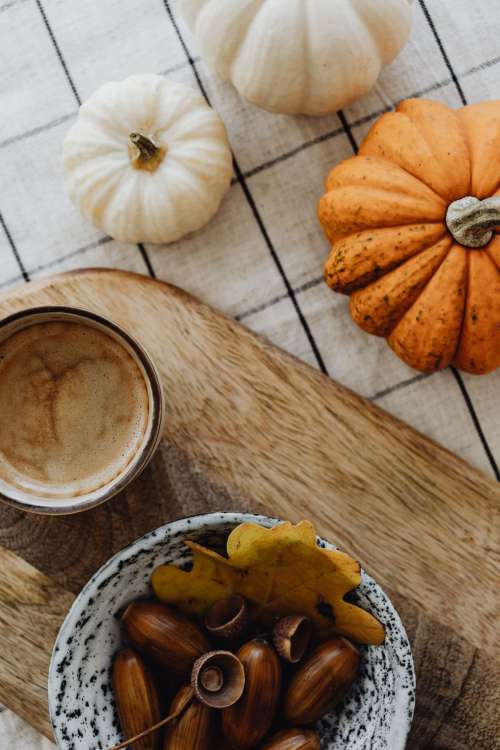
{"type": "Point", "coordinates": [280, 571]}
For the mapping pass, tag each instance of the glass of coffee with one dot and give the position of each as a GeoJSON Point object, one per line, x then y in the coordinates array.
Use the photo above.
{"type": "Point", "coordinates": [81, 409]}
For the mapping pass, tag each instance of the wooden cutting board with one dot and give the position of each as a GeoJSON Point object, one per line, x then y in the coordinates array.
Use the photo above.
{"type": "Point", "coordinates": [251, 428]}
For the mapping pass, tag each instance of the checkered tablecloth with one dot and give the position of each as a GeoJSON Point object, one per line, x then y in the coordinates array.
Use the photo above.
{"type": "Point", "coordinates": [261, 258]}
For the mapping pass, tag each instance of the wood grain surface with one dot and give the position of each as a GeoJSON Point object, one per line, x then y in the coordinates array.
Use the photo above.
{"type": "Point", "coordinates": [251, 428]}
{"type": "Point", "coordinates": [32, 608]}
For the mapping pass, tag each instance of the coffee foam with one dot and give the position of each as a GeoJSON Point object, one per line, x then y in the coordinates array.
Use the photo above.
{"type": "Point", "coordinates": [74, 409]}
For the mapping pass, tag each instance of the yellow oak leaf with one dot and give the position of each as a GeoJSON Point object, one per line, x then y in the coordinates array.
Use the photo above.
{"type": "Point", "coordinates": [280, 571]}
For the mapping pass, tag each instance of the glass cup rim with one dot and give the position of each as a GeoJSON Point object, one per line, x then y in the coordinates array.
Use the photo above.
{"type": "Point", "coordinates": [73, 505]}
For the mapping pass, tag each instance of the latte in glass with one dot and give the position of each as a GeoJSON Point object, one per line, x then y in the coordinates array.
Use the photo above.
{"type": "Point", "coordinates": [80, 409]}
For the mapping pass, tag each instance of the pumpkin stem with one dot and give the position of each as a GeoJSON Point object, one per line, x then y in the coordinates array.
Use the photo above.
{"type": "Point", "coordinates": [471, 221]}
{"type": "Point", "coordinates": [144, 153]}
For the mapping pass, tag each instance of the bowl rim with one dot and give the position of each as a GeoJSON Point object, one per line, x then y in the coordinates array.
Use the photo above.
{"type": "Point", "coordinates": [149, 540]}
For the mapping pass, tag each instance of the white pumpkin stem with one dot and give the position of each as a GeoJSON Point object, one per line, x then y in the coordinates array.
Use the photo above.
{"type": "Point", "coordinates": [144, 153]}
{"type": "Point", "coordinates": [471, 221]}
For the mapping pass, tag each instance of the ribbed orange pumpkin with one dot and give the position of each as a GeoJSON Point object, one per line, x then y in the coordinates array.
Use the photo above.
{"type": "Point", "coordinates": [422, 265]}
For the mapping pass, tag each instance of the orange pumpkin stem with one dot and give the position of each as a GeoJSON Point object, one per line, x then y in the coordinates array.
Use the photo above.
{"type": "Point", "coordinates": [471, 221]}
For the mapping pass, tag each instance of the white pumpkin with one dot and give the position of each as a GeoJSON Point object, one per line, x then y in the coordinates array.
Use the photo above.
{"type": "Point", "coordinates": [299, 56]}
{"type": "Point", "coordinates": [147, 160]}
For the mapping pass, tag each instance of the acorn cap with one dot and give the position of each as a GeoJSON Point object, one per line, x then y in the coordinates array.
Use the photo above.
{"type": "Point", "coordinates": [291, 636]}
{"type": "Point", "coordinates": [228, 618]}
{"type": "Point", "coordinates": [218, 679]}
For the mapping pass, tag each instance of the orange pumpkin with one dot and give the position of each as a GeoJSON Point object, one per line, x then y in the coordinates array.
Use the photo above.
{"type": "Point", "coordinates": [413, 220]}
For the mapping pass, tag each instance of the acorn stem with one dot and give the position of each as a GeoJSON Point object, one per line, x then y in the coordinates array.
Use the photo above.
{"type": "Point", "coordinates": [167, 720]}
{"type": "Point", "coordinates": [144, 153]}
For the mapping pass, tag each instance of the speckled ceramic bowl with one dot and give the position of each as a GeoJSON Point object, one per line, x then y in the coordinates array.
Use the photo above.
{"type": "Point", "coordinates": [376, 715]}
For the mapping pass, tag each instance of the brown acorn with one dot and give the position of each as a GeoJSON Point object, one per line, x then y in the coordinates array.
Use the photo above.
{"type": "Point", "coordinates": [293, 739]}
{"type": "Point", "coordinates": [193, 730]}
{"type": "Point", "coordinates": [165, 636]}
{"type": "Point", "coordinates": [136, 698]}
{"type": "Point", "coordinates": [228, 618]}
{"type": "Point", "coordinates": [321, 681]}
{"type": "Point", "coordinates": [222, 743]}
{"type": "Point", "coordinates": [291, 636]}
{"type": "Point", "coordinates": [218, 679]}
{"type": "Point", "coordinates": [247, 722]}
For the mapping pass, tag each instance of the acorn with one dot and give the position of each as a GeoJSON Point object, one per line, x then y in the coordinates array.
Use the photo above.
{"type": "Point", "coordinates": [165, 636]}
{"type": "Point", "coordinates": [222, 743]}
{"type": "Point", "coordinates": [321, 681]}
{"type": "Point", "coordinates": [247, 722]}
{"type": "Point", "coordinates": [194, 729]}
{"type": "Point", "coordinates": [136, 698]}
{"type": "Point", "coordinates": [218, 679]}
{"type": "Point", "coordinates": [293, 739]}
{"type": "Point", "coordinates": [228, 618]}
{"type": "Point", "coordinates": [291, 637]}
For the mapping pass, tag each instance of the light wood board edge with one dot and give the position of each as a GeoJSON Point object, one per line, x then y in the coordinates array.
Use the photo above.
{"type": "Point", "coordinates": [32, 609]}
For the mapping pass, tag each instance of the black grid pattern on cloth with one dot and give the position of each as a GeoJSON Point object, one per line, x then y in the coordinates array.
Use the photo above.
{"type": "Point", "coordinates": [253, 206]}
{"type": "Point", "coordinates": [242, 178]}
{"type": "Point", "coordinates": [457, 376]}
{"type": "Point", "coordinates": [142, 249]}
{"type": "Point", "coordinates": [247, 175]}
{"type": "Point", "coordinates": [24, 273]}
{"type": "Point", "coordinates": [302, 146]}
